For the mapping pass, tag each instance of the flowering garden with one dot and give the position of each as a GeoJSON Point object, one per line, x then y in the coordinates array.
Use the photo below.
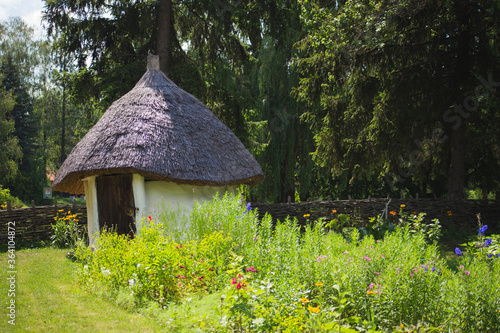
{"type": "Point", "coordinates": [231, 272]}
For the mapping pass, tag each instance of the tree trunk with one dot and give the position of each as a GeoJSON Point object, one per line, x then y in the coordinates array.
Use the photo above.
{"type": "Point", "coordinates": [62, 156]}
{"type": "Point", "coordinates": [462, 73]}
{"type": "Point", "coordinates": [163, 40]}
{"type": "Point", "coordinates": [456, 174]}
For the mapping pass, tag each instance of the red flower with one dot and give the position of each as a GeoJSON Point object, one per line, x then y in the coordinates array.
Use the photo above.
{"type": "Point", "coordinates": [211, 269]}
{"type": "Point", "coordinates": [238, 286]}
{"type": "Point", "coordinates": [150, 218]}
{"type": "Point", "coordinates": [234, 281]}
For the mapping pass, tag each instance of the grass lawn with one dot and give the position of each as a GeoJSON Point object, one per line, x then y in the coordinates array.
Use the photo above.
{"type": "Point", "coordinates": [47, 299]}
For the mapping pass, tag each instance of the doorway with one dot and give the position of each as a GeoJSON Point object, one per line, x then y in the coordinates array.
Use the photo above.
{"type": "Point", "coordinates": [115, 204]}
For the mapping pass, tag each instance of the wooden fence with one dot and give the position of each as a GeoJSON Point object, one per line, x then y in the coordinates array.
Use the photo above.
{"type": "Point", "coordinates": [460, 214]}
{"type": "Point", "coordinates": [34, 224]}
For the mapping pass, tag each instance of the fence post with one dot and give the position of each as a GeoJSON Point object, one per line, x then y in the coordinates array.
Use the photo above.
{"type": "Point", "coordinates": [289, 200]}
{"type": "Point", "coordinates": [74, 203]}
{"type": "Point", "coordinates": [55, 203]}
{"type": "Point", "coordinates": [33, 204]}
{"type": "Point", "coordinates": [9, 206]}
{"type": "Point", "coordinates": [416, 196]}
{"type": "Point", "coordinates": [329, 197]}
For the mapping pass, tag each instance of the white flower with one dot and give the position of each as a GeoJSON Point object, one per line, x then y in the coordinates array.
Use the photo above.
{"type": "Point", "coordinates": [106, 272]}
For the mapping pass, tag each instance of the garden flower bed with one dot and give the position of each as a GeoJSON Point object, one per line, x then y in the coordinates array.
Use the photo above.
{"type": "Point", "coordinates": [261, 277]}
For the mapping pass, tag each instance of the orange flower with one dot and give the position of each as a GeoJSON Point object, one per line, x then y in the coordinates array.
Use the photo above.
{"type": "Point", "coordinates": [370, 292]}
{"type": "Point", "coordinates": [313, 310]}
{"type": "Point", "coordinates": [449, 213]}
{"type": "Point", "coordinates": [304, 300]}
{"type": "Point", "coordinates": [392, 212]}
{"type": "Point", "coordinates": [334, 211]}
{"type": "Point", "coordinates": [402, 205]}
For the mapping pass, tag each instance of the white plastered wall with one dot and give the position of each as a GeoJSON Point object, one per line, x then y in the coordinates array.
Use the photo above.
{"type": "Point", "coordinates": [92, 212]}
{"type": "Point", "coordinates": [184, 195]}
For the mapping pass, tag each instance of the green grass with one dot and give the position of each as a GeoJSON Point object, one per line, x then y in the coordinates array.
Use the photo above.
{"type": "Point", "coordinates": [49, 300]}
{"type": "Point", "coordinates": [67, 201]}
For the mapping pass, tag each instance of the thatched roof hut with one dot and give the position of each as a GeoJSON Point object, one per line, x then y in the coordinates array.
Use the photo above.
{"type": "Point", "coordinates": [158, 132]}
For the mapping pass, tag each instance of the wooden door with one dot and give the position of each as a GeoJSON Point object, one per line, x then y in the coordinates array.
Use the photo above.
{"type": "Point", "coordinates": [115, 203]}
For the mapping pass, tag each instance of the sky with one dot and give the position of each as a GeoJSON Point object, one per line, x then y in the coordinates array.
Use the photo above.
{"type": "Point", "coordinates": [29, 10]}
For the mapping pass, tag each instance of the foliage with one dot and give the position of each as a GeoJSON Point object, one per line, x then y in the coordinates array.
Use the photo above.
{"type": "Point", "coordinates": [6, 196]}
{"type": "Point", "coordinates": [153, 267]}
{"type": "Point", "coordinates": [285, 279]}
{"type": "Point", "coordinates": [406, 123]}
{"type": "Point", "coordinates": [10, 152]}
{"type": "Point", "coordinates": [481, 245]}
{"type": "Point", "coordinates": [224, 214]}
{"type": "Point", "coordinates": [67, 233]}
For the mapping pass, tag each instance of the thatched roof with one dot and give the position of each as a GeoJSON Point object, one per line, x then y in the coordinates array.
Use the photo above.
{"type": "Point", "coordinates": [162, 132]}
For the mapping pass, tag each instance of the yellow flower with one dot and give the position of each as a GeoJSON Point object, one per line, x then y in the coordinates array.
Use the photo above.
{"type": "Point", "coordinates": [61, 210]}
{"type": "Point", "coordinates": [319, 284]}
{"type": "Point", "coordinates": [313, 310]}
{"type": "Point", "coordinates": [449, 213]}
{"type": "Point", "coordinates": [55, 218]}
{"type": "Point", "coordinates": [370, 292]}
{"type": "Point", "coordinates": [304, 300]}
{"type": "Point", "coordinates": [402, 326]}
{"type": "Point", "coordinates": [403, 205]}
{"type": "Point", "coordinates": [307, 215]}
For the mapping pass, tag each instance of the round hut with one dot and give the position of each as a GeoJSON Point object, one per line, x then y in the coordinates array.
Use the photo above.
{"type": "Point", "coordinates": [157, 142]}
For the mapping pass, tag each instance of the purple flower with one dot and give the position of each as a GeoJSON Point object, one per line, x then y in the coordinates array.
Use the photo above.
{"type": "Point", "coordinates": [458, 252]}
{"type": "Point", "coordinates": [489, 255]}
{"type": "Point", "coordinates": [467, 272]}
{"type": "Point", "coordinates": [482, 230]}
{"type": "Point", "coordinates": [433, 269]}
{"type": "Point", "coordinates": [488, 242]}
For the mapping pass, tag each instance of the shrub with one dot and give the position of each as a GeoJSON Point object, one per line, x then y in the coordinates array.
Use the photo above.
{"type": "Point", "coordinates": [279, 278]}
{"type": "Point", "coordinates": [152, 266]}
{"type": "Point", "coordinates": [6, 196]}
{"type": "Point", "coordinates": [67, 233]}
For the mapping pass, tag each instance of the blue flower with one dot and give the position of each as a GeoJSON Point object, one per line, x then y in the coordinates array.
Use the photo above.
{"type": "Point", "coordinates": [489, 255]}
{"type": "Point", "coordinates": [488, 242]}
{"type": "Point", "coordinates": [249, 207]}
{"type": "Point", "coordinates": [458, 252]}
{"type": "Point", "coordinates": [433, 269]}
{"type": "Point", "coordinates": [483, 229]}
